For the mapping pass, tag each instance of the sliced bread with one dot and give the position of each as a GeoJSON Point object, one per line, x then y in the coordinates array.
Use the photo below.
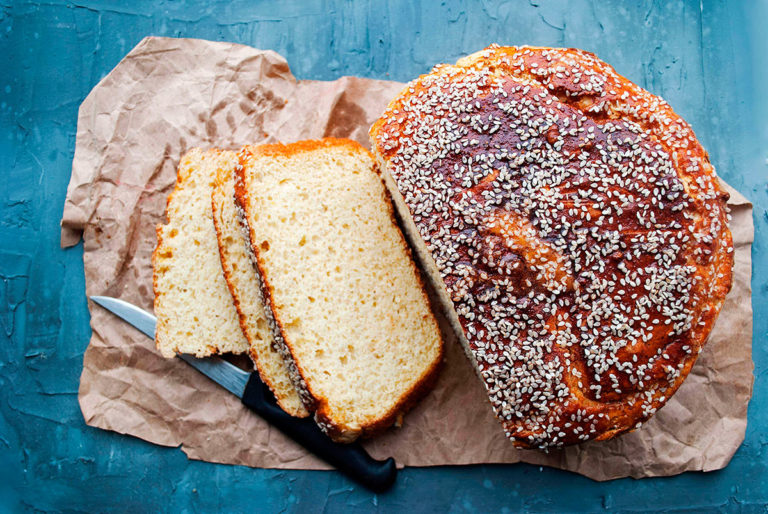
{"type": "Point", "coordinates": [195, 312]}
{"type": "Point", "coordinates": [242, 281]}
{"type": "Point", "coordinates": [345, 300]}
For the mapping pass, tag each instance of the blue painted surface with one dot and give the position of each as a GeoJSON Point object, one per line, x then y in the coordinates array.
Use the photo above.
{"type": "Point", "coordinates": [707, 59]}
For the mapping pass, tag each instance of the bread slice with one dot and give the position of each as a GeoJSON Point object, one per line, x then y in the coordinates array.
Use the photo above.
{"type": "Point", "coordinates": [243, 283]}
{"type": "Point", "coordinates": [194, 309]}
{"type": "Point", "coordinates": [348, 306]}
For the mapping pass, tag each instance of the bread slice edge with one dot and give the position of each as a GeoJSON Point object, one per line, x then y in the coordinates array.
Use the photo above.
{"type": "Point", "coordinates": [337, 431]}
{"type": "Point", "coordinates": [285, 402]}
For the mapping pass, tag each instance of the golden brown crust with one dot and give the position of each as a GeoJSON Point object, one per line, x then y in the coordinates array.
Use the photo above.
{"type": "Point", "coordinates": [287, 150]}
{"type": "Point", "coordinates": [159, 248]}
{"type": "Point", "coordinates": [155, 258]}
{"type": "Point", "coordinates": [576, 224]}
{"type": "Point", "coordinates": [313, 400]}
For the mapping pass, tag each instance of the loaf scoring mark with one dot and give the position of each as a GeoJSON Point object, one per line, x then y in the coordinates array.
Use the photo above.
{"type": "Point", "coordinates": [577, 226]}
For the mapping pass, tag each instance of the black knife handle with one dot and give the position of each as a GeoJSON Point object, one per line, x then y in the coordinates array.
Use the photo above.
{"type": "Point", "coordinates": [350, 459]}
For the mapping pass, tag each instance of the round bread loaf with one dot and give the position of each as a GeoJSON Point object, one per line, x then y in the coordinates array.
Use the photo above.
{"type": "Point", "coordinates": [574, 227]}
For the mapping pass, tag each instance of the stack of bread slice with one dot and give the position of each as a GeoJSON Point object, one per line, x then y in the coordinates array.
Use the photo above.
{"type": "Point", "coordinates": [292, 254]}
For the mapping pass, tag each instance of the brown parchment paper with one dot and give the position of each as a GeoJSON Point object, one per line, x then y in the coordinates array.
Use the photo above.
{"type": "Point", "coordinates": [168, 95]}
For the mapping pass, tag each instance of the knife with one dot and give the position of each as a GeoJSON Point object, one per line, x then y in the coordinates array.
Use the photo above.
{"type": "Point", "coordinates": [351, 459]}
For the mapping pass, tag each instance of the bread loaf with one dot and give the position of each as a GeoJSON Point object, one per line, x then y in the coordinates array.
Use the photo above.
{"type": "Point", "coordinates": [240, 276]}
{"type": "Point", "coordinates": [574, 227]}
{"type": "Point", "coordinates": [194, 310]}
{"type": "Point", "coordinates": [347, 303]}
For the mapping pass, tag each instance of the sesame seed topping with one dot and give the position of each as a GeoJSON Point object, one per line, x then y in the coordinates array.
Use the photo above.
{"type": "Point", "coordinates": [577, 226]}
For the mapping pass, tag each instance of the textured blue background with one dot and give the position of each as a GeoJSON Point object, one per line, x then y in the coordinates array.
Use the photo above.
{"type": "Point", "coordinates": [707, 59]}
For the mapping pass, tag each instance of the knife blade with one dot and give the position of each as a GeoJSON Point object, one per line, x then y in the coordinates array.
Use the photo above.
{"type": "Point", "coordinates": [351, 459]}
